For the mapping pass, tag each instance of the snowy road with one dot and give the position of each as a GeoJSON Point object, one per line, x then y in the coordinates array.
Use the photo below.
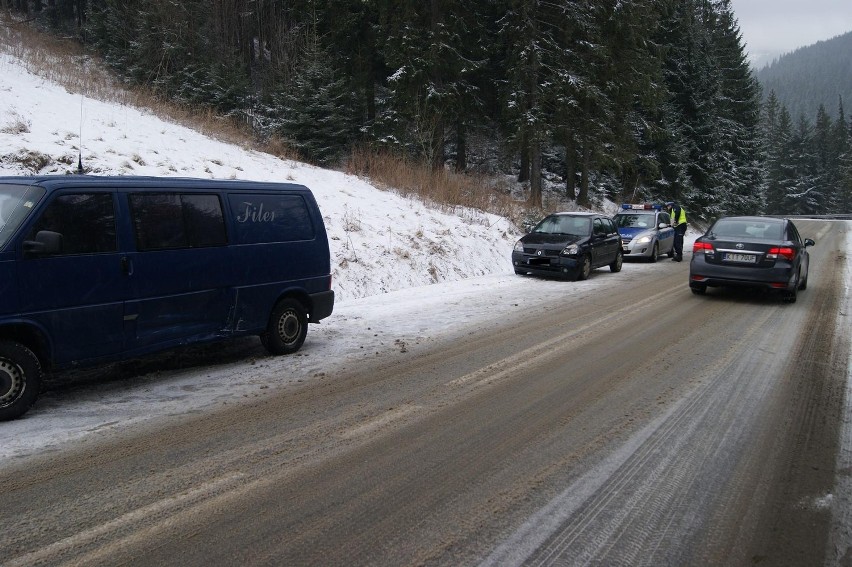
{"type": "Point", "coordinates": [546, 423]}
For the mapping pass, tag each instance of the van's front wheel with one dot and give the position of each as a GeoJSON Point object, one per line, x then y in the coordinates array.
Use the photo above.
{"type": "Point", "coordinates": [287, 329]}
{"type": "Point", "coordinates": [20, 379]}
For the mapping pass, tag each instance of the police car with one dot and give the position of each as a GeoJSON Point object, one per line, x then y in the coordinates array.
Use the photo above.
{"type": "Point", "coordinates": [645, 231]}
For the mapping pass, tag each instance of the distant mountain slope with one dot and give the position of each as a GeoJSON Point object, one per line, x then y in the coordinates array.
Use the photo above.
{"type": "Point", "coordinates": [810, 76]}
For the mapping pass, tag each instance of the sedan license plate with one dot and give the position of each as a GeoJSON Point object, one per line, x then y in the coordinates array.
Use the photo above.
{"type": "Point", "coordinates": [745, 258]}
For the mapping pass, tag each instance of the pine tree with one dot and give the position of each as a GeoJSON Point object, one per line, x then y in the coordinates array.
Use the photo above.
{"type": "Point", "coordinates": [570, 79]}
{"type": "Point", "coordinates": [632, 82]}
{"type": "Point", "coordinates": [466, 63]}
{"type": "Point", "coordinates": [688, 113]}
{"type": "Point", "coordinates": [825, 163]}
{"type": "Point", "coordinates": [527, 32]}
{"type": "Point", "coordinates": [803, 192]}
{"type": "Point", "coordinates": [350, 33]}
{"type": "Point", "coordinates": [843, 145]}
{"type": "Point", "coordinates": [433, 53]}
{"type": "Point", "coordinates": [776, 135]}
{"type": "Point", "coordinates": [313, 115]}
{"type": "Point", "coordinates": [738, 111]}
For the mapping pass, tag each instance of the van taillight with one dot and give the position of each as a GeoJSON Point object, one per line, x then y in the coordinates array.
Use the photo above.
{"type": "Point", "coordinates": [784, 251]}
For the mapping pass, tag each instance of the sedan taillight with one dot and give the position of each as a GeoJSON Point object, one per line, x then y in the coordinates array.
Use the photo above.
{"type": "Point", "coordinates": [785, 252]}
{"type": "Point", "coordinates": [699, 246]}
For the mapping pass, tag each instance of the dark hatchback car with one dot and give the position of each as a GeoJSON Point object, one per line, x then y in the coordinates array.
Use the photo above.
{"type": "Point", "coordinates": [757, 252]}
{"type": "Point", "coordinates": [569, 245]}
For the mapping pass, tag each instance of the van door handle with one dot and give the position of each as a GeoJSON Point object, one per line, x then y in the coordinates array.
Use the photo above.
{"type": "Point", "coordinates": [126, 266]}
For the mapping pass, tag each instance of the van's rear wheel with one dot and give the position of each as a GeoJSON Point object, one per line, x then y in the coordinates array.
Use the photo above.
{"type": "Point", "coordinates": [287, 329]}
{"type": "Point", "coordinates": [20, 379]}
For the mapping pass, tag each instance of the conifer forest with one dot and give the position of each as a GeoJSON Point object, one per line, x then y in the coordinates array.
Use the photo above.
{"type": "Point", "coordinates": [632, 100]}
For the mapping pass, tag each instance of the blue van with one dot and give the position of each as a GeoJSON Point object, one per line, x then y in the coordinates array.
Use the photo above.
{"type": "Point", "coordinates": [98, 269]}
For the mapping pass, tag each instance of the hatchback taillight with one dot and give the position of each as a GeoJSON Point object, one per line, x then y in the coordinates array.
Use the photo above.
{"type": "Point", "coordinates": [783, 251]}
{"type": "Point", "coordinates": [699, 246]}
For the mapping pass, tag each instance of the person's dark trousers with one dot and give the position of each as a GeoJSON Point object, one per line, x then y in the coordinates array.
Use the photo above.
{"type": "Point", "coordinates": [678, 243]}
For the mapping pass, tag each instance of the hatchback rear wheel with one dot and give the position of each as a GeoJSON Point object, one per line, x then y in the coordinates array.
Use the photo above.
{"type": "Point", "coordinates": [617, 263]}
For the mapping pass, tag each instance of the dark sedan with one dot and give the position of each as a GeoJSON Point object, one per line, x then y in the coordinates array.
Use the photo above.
{"type": "Point", "coordinates": [760, 252]}
{"type": "Point", "coordinates": [569, 245]}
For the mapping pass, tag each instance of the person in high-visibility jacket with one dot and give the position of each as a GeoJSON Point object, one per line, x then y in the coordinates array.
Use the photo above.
{"type": "Point", "coordinates": [678, 216]}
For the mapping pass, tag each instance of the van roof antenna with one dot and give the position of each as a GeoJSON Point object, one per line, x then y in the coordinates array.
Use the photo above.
{"type": "Point", "coordinates": [80, 149]}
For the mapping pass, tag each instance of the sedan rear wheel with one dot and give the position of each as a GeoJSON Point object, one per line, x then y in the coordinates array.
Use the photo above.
{"type": "Point", "coordinates": [699, 289]}
{"type": "Point", "coordinates": [789, 295]}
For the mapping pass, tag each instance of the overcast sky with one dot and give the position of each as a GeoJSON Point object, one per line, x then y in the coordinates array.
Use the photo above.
{"type": "Point", "coordinates": [774, 27]}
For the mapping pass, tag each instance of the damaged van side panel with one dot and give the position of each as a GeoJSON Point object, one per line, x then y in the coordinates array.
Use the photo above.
{"type": "Point", "coordinates": [95, 269]}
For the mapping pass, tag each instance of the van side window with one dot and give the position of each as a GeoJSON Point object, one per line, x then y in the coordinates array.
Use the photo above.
{"type": "Point", "coordinates": [86, 222]}
{"type": "Point", "coordinates": [270, 218]}
{"type": "Point", "coordinates": [171, 220]}
{"type": "Point", "coordinates": [205, 224]}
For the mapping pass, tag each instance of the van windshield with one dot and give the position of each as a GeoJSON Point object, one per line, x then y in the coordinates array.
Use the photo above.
{"type": "Point", "coordinates": [16, 204]}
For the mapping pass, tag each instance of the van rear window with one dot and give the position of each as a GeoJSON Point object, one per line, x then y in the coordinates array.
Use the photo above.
{"type": "Point", "coordinates": [270, 218]}
{"type": "Point", "coordinates": [171, 220]}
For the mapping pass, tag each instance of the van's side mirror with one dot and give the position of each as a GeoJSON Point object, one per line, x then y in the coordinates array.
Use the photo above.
{"type": "Point", "coordinates": [663, 225]}
{"type": "Point", "coordinates": [46, 242]}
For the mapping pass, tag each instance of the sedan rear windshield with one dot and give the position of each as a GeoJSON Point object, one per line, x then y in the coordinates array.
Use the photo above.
{"type": "Point", "coordinates": [16, 204]}
{"type": "Point", "coordinates": [742, 228]}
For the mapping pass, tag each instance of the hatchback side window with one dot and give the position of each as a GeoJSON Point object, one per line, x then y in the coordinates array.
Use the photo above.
{"type": "Point", "coordinates": [599, 227]}
{"type": "Point", "coordinates": [664, 218]}
{"type": "Point", "coordinates": [609, 228]}
{"type": "Point", "coordinates": [85, 221]}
